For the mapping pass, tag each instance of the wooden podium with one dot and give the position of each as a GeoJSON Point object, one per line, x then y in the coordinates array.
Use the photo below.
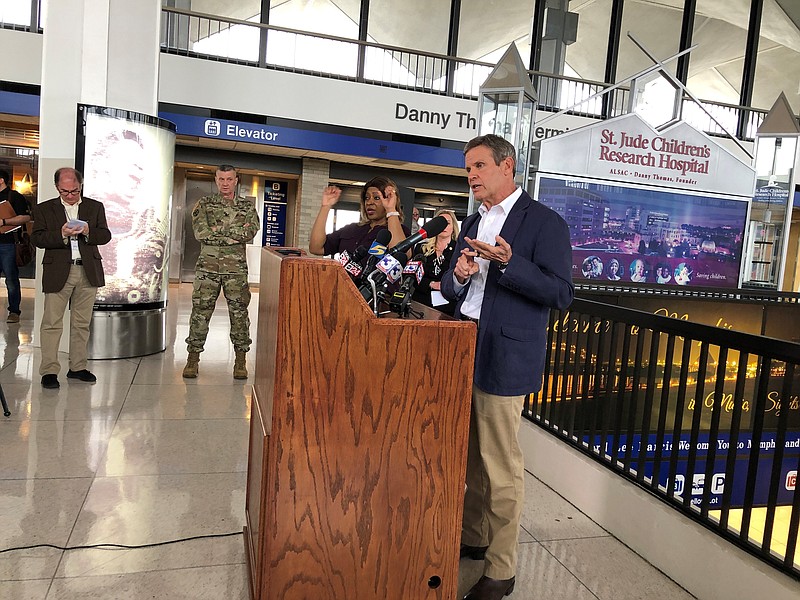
{"type": "Point", "coordinates": [358, 442]}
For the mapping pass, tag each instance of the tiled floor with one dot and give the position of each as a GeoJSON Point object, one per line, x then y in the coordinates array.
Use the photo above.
{"type": "Point", "coordinates": [144, 456]}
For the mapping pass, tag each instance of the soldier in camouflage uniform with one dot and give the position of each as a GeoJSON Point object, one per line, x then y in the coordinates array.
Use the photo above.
{"type": "Point", "coordinates": [222, 223]}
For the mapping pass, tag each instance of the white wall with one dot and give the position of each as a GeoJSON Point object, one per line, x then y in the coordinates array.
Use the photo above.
{"type": "Point", "coordinates": [210, 84]}
{"type": "Point", "coordinates": [22, 57]}
{"type": "Point", "coordinates": [197, 82]}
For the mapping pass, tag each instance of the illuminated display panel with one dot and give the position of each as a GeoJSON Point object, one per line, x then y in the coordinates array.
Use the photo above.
{"type": "Point", "coordinates": [648, 235]}
{"type": "Point", "coordinates": [127, 160]}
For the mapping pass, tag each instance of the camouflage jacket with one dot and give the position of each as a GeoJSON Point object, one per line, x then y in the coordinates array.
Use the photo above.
{"type": "Point", "coordinates": [223, 228]}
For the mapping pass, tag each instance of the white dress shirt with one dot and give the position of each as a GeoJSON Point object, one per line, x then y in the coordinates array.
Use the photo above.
{"type": "Point", "coordinates": [72, 213]}
{"type": "Point", "coordinates": [489, 227]}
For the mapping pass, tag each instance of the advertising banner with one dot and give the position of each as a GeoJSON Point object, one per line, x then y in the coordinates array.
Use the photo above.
{"type": "Point", "coordinates": [640, 234]}
{"type": "Point", "coordinates": [128, 163]}
{"type": "Point", "coordinates": [628, 149]}
{"type": "Point", "coordinates": [695, 483]}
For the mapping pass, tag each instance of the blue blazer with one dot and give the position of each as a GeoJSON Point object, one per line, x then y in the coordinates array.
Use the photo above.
{"type": "Point", "coordinates": [510, 352]}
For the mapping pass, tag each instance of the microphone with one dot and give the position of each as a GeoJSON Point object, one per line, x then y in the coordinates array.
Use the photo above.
{"type": "Point", "coordinates": [392, 267]}
{"type": "Point", "coordinates": [432, 228]}
{"type": "Point", "coordinates": [377, 250]}
{"type": "Point", "coordinates": [352, 264]}
{"type": "Point", "coordinates": [415, 272]}
{"type": "Point", "coordinates": [387, 271]}
{"type": "Point", "coordinates": [412, 276]}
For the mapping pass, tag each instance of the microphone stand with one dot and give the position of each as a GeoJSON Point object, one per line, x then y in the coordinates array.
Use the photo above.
{"type": "Point", "coordinates": [374, 293]}
{"type": "Point", "coordinates": [6, 412]}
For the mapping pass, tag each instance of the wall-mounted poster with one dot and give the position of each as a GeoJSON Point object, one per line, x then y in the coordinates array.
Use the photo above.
{"type": "Point", "coordinates": [654, 236]}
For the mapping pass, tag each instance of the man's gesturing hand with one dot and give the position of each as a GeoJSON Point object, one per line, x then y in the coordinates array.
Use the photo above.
{"type": "Point", "coordinates": [499, 253]}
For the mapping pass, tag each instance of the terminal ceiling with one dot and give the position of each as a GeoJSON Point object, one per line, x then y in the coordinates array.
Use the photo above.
{"type": "Point", "coordinates": [715, 66]}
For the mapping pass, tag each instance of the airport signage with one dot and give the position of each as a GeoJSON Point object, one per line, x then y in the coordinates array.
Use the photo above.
{"type": "Point", "coordinates": [275, 209]}
{"type": "Point", "coordinates": [308, 139]}
{"type": "Point", "coordinates": [628, 149]}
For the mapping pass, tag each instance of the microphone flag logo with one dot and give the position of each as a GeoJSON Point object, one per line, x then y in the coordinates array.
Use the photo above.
{"type": "Point", "coordinates": [391, 267]}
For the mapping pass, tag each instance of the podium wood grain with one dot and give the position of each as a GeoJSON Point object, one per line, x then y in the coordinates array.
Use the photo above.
{"type": "Point", "coordinates": [358, 442]}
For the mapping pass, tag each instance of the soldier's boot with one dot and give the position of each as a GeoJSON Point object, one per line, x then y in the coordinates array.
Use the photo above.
{"type": "Point", "coordinates": [192, 364]}
{"type": "Point", "coordinates": [240, 366]}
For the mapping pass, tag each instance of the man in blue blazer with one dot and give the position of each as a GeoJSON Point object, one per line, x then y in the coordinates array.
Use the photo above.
{"type": "Point", "coordinates": [513, 262]}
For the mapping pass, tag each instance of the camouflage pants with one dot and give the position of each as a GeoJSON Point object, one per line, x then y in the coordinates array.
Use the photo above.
{"type": "Point", "coordinates": [204, 298]}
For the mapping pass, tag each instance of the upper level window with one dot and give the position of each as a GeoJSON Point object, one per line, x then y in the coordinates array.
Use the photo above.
{"type": "Point", "coordinates": [778, 62]}
{"type": "Point", "coordinates": [317, 16]}
{"type": "Point", "coordinates": [715, 66]}
{"type": "Point", "coordinates": [15, 13]}
{"type": "Point", "coordinates": [420, 26]}
{"type": "Point", "coordinates": [586, 56]}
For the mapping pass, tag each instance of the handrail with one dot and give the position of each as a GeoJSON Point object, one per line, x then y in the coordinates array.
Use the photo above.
{"type": "Point", "coordinates": [704, 418]}
{"type": "Point", "coordinates": [752, 344]}
{"type": "Point", "coordinates": [711, 293]}
{"type": "Point", "coordinates": [265, 26]}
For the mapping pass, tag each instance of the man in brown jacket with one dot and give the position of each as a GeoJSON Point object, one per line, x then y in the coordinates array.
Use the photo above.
{"type": "Point", "coordinates": [70, 229]}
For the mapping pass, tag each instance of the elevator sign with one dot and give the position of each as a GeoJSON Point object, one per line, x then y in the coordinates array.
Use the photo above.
{"type": "Point", "coordinates": [275, 209]}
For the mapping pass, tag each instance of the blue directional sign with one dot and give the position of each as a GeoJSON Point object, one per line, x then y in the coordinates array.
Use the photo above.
{"type": "Point", "coordinates": [275, 207]}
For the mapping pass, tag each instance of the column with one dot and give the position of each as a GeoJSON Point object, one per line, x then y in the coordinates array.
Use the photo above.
{"type": "Point", "coordinates": [103, 52]}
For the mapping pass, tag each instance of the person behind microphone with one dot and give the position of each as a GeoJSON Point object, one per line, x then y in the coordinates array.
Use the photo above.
{"type": "Point", "coordinates": [380, 209]}
{"type": "Point", "coordinates": [512, 264]}
{"type": "Point", "coordinates": [437, 252]}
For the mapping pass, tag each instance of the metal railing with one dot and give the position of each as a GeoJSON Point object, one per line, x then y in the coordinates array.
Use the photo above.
{"type": "Point", "coordinates": [268, 46]}
{"type": "Point", "coordinates": [759, 295]}
{"type": "Point", "coordinates": [704, 418]}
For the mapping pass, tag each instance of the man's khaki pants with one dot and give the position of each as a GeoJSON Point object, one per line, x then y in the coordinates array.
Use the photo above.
{"type": "Point", "coordinates": [80, 295]}
{"type": "Point", "coordinates": [495, 481]}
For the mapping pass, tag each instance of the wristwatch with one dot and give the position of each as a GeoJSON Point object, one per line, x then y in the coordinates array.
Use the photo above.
{"type": "Point", "coordinates": [502, 266]}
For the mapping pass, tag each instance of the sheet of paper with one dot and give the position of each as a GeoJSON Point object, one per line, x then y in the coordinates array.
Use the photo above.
{"type": "Point", "coordinates": [437, 299]}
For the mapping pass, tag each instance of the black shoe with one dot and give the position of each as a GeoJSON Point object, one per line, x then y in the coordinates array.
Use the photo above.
{"type": "Point", "coordinates": [50, 381]}
{"type": "Point", "coordinates": [83, 375]}
{"type": "Point", "coordinates": [490, 589]}
{"type": "Point", "coordinates": [473, 552]}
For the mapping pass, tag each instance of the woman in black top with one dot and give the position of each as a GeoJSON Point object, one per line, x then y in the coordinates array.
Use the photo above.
{"type": "Point", "coordinates": [380, 209]}
{"type": "Point", "coordinates": [437, 253]}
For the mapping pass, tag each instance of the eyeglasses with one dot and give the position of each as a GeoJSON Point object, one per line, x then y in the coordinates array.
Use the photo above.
{"type": "Point", "coordinates": [74, 192]}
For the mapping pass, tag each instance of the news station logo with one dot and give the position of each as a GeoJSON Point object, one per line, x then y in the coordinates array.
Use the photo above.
{"type": "Point", "coordinates": [213, 127]}
{"type": "Point", "coordinates": [353, 268]}
{"type": "Point", "coordinates": [791, 480]}
{"type": "Point", "coordinates": [391, 267]}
